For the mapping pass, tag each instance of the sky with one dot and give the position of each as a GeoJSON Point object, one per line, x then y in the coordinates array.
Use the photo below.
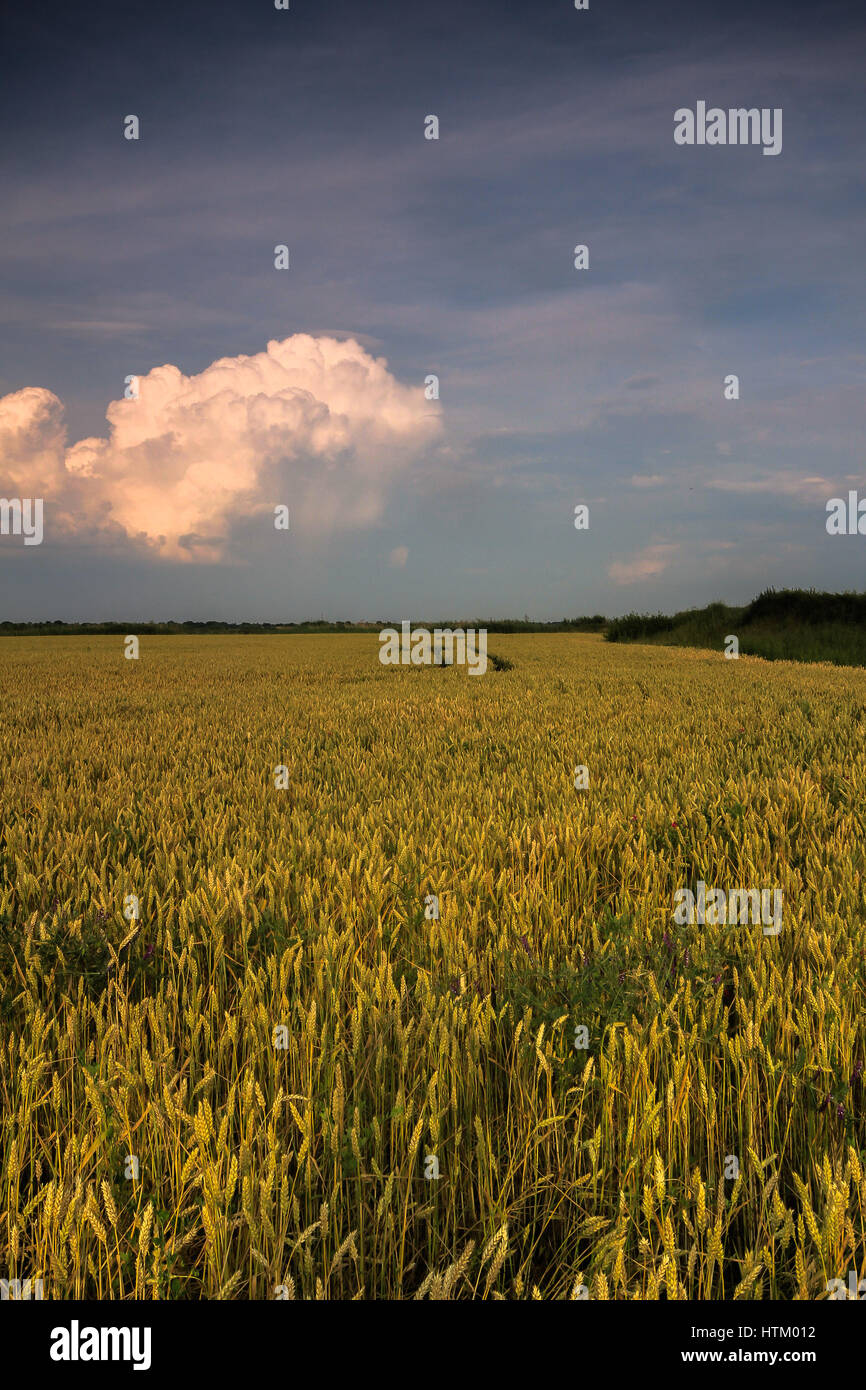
{"type": "Point", "coordinates": [149, 264]}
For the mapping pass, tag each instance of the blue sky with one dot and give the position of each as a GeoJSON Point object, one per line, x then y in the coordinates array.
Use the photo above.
{"type": "Point", "coordinates": [261, 127]}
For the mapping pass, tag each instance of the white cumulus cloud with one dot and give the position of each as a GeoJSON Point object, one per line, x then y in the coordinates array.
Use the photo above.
{"type": "Point", "coordinates": [316, 424]}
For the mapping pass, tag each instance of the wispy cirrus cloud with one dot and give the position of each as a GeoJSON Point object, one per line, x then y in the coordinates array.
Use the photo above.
{"type": "Point", "coordinates": [643, 480]}
{"type": "Point", "coordinates": [783, 482]}
{"type": "Point", "coordinates": [650, 561]}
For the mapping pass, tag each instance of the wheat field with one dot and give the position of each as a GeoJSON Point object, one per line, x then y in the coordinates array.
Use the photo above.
{"type": "Point", "coordinates": [247, 1090]}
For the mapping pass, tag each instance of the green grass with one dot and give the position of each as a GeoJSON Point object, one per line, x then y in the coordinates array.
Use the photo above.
{"type": "Point", "coordinates": [791, 625]}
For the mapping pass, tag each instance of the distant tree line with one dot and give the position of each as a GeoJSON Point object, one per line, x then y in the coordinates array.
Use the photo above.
{"type": "Point", "coordinates": [63, 629]}
{"type": "Point", "coordinates": [809, 606]}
